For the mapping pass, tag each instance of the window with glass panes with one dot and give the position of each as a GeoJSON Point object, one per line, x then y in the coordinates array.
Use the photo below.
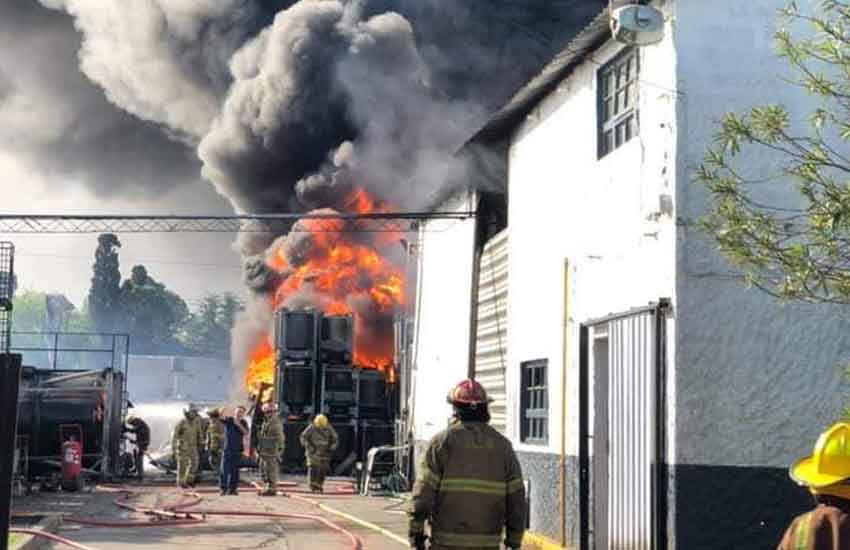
{"type": "Point", "coordinates": [534, 403]}
{"type": "Point", "coordinates": [618, 90]}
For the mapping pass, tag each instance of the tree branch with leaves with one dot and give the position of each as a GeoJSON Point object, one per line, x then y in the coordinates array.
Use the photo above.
{"type": "Point", "coordinates": [799, 249]}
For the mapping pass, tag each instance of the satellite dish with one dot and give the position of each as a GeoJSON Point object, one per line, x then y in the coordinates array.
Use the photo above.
{"type": "Point", "coordinates": [637, 25]}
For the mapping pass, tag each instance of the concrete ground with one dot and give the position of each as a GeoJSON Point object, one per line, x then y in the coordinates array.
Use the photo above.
{"type": "Point", "coordinates": [222, 532]}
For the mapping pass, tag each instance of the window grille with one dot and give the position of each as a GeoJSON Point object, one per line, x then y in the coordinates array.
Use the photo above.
{"type": "Point", "coordinates": [535, 403]}
{"type": "Point", "coordinates": [618, 93]}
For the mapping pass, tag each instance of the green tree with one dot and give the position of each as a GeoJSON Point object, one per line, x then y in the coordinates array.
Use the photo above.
{"type": "Point", "coordinates": [29, 311]}
{"type": "Point", "coordinates": [80, 320]}
{"type": "Point", "coordinates": [797, 249]}
{"type": "Point", "coordinates": [104, 297]}
{"type": "Point", "coordinates": [29, 314]}
{"type": "Point", "coordinates": [207, 331]}
{"type": "Point", "coordinates": [153, 315]}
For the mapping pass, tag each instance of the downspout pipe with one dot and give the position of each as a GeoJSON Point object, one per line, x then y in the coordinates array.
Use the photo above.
{"type": "Point", "coordinates": [477, 246]}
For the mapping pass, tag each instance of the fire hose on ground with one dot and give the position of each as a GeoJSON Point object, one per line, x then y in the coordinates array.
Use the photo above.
{"type": "Point", "coordinates": [182, 513]}
{"type": "Point", "coordinates": [337, 489]}
{"type": "Point", "coordinates": [173, 511]}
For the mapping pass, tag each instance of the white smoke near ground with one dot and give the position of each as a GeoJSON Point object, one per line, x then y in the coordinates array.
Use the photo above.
{"type": "Point", "coordinates": [161, 418]}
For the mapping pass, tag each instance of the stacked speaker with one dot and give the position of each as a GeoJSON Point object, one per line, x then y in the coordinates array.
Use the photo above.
{"type": "Point", "coordinates": [315, 374]}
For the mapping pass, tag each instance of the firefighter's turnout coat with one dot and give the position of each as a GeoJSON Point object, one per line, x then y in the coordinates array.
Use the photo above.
{"type": "Point", "coordinates": [319, 444]}
{"type": "Point", "coordinates": [827, 527]}
{"type": "Point", "coordinates": [470, 489]}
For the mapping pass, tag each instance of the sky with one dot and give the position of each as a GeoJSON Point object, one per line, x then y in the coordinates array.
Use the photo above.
{"type": "Point", "coordinates": [191, 264]}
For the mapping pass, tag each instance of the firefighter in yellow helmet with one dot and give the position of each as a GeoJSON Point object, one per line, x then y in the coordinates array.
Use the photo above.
{"type": "Point", "coordinates": [827, 475]}
{"type": "Point", "coordinates": [469, 485]}
{"type": "Point", "coordinates": [320, 441]}
{"type": "Point", "coordinates": [270, 445]}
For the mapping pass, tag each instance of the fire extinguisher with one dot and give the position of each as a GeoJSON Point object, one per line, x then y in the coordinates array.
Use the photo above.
{"type": "Point", "coordinates": [72, 465]}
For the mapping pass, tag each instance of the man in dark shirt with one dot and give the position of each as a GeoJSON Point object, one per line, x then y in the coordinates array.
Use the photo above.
{"type": "Point", "coordinates": [235, 429]}
{"type": "Point", "coordinates": [826, 474]}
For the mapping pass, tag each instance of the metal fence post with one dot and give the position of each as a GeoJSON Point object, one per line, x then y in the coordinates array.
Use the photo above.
{"type": "Point", "coordinates": [10, 378]}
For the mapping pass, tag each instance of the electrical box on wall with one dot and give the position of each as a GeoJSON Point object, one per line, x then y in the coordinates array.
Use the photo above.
{"type": "Point", "coordinates": [637, 25]}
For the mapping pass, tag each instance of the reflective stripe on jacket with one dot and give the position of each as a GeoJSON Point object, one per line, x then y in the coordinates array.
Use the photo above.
{"type": "Point", "coordinates": [470, 489]}
{"type": "Point", "coordinates": [827, 527]}
{"type": "Point", "coordinates": [271, 441]}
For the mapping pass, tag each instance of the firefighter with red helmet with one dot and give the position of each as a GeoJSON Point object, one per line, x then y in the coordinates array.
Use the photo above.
{"type": "Point", "coordinates": [473, 472]}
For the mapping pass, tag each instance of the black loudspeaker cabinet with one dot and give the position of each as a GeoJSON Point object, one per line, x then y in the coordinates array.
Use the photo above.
{"type": "Point", "coordinates": [338, 391]}
{"type": "Point", "coordinates": [296, 334]}
{"type": "Point", "coordinates": [336, 339]}
{"type": "Point", "coordinates": [372, 399]}
{"type": "Point", "coordinates": [347, 434]}
{"type": "Point", "coordinates": [293, 454]}
{"type": "Point", "coordinates": [296, 387]}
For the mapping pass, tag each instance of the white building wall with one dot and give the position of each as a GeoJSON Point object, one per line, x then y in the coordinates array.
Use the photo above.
{"type": "Point", "coordinates": [757, 380]}
{"type": "Point", "coordinates": [441, 330]}
{"type": "Point", "coordinates": [604, 217]}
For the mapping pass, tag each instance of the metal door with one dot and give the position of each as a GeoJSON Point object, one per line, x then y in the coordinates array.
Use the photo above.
{"type": "Point", "coordinates": [623, 488]}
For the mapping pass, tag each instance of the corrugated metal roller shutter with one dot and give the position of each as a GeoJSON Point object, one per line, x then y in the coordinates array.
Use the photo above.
{"type": "Point", "coordinates": [492, 336]}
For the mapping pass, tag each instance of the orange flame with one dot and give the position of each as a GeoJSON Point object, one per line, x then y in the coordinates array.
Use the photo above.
{"type": "Point", "coordinates": [260, 367]}
{"type": "Point", "coordinates": [343, 268]}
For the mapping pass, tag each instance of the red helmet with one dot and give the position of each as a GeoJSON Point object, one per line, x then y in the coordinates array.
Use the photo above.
{"type": "Point", "coordinates": [468, 392]}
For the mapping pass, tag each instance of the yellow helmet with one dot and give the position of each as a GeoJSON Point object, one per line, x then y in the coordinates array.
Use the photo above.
{"type": "Point", "coordinates": [830, 460]}
{"type": "Point", "coordinates": [321, 421]}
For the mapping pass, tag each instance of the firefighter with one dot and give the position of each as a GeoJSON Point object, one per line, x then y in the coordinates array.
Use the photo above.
{"type": "Point", "coordinates": [214, 438]}
{"type": "Point", "coordinates": [270, 445]}
{"type": "Point", "coordinates": [471, 470]}
{"type": "Point", "coordinates": [319, 441]}
{"type": "Point", "coordinates": [827, 475]}
{"type": "Point", "coordinates": [142, 431]}
{"type": "Point", "coordinates": [187, 443]}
